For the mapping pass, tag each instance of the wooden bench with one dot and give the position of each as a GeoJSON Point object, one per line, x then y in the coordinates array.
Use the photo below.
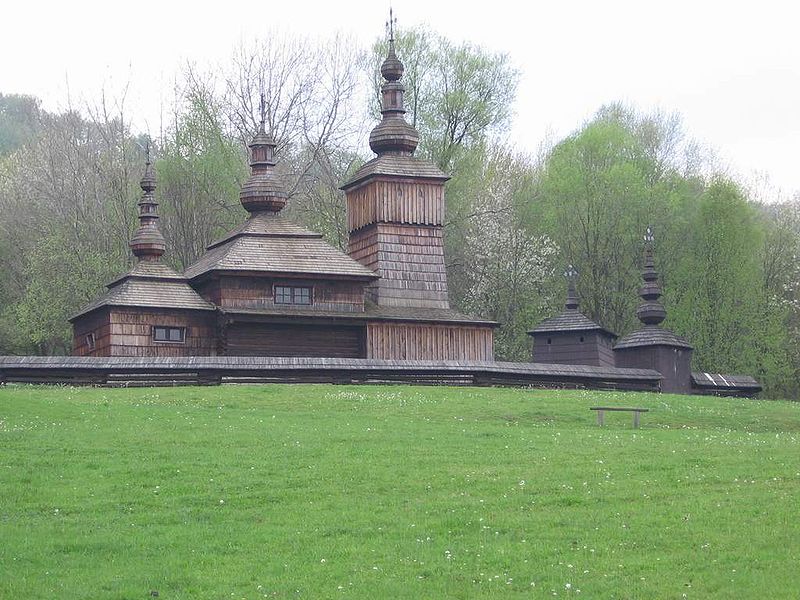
{"type": "Point", "coordinates": [636, 412]}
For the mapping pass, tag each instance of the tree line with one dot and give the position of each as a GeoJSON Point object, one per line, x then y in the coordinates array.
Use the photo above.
{"type": "Point", "coordinates": [727, 253]}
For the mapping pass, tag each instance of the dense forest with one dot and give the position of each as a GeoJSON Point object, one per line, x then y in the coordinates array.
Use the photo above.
{"type": "Point", "coordinates": [728, 253]}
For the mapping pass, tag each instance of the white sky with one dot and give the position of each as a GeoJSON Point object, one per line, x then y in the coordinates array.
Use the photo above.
{"type": "Point", "coordinates": [731, 69]}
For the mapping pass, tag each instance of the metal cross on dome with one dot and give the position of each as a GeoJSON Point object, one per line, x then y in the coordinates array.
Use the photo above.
{"type": "Point", "coordinates": [390, 24]}
{"type": "Point", "coordinates": [648, 236]}
{"type": "Point", "coordinates": [570, 273]}
{"type": "Point", "coordinates": [263, 109]}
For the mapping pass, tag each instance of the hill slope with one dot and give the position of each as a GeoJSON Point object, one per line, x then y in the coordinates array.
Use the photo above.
{"type": "Point", "coordinates": [401, 492]}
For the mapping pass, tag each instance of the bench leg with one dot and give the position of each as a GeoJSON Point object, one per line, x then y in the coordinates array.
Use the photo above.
{"type": "Point", "coordinates": [600, 418]}
{"type": "Point", "coordinates": [636, 419]}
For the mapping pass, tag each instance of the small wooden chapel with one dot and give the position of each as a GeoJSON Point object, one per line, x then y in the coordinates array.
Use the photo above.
{"type": "Point", "coordinates": [273, 288]}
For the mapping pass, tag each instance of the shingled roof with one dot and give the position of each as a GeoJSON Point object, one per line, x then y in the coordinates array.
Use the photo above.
{"type": "Point", "coordinates": [149, 286]}
{"type": "Point", "coordinates": [396, 166]}
{"type": "Point", "coordinates": [569, 320]}
{"type": "Point", "coordinates": [652, 335]}
{"type": "Point", "coordinates": [270, 243]}
{"type": "Point", "coordinates": [718, 382]}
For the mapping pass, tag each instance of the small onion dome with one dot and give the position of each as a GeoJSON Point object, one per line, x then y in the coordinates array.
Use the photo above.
{"type": "Point", "coordinates": [262, 191]}
{"type": "Point", "coordinates": [572, 297]}
{"type": "Point", "coordinates": [147, 242]}
{"type": "Point", "coordinates": [392, 69]}
{"type": "Point", "coordinates": [393, 135]}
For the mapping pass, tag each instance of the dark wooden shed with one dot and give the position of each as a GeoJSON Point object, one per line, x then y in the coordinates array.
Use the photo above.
{"type": "Point", "coordinates": [571, 338]}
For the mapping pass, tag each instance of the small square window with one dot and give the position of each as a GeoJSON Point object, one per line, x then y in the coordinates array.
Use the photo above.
{"type": "Point", "coordinates": [302, 295]}
{"type": "Point", "coordinates": [283, 294]}
{"type": "Point", "coordinates": [176, 335]}
{"type": "Point", "coordinates": [90, 341]}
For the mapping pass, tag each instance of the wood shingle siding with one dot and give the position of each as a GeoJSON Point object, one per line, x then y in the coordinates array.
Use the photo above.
{"type": "Point", "coordinates": [409, 260]}
{"type": "Point", "coordinates": [257, 292]}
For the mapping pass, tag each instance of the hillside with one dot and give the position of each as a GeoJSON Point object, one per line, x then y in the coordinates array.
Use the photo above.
{"type": "Point", "coordinates": [394, 492]}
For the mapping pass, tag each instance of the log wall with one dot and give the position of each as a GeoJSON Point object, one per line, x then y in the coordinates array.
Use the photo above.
{"type": "Point", "coordinates": [129, 332]}
{"type": "Point", "coordinates": [97, 323]}
{"type": "Point", "coordinates": [286, 339]}
{"type": "Point", "coordinates": [258, 292]}
{"type": "Point", "coordinates": [429, 341]}
{"type": "Point", "coordinates": [573, 348]}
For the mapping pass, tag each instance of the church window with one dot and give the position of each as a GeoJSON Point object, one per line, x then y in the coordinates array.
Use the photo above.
{"type": "Point", "coordinates": [90, 341]}
{"type": "Point", "coordinates": [286, 294]}
{"type": "Point", "coordinates": [176, 335]}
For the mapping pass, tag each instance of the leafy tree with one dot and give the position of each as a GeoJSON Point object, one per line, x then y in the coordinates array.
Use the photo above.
{"type": "Point", "coordinates": [19, 121]}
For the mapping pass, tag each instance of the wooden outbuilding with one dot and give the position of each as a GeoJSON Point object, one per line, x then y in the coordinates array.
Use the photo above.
{"type": "Point", "coordinates": [570, 337]}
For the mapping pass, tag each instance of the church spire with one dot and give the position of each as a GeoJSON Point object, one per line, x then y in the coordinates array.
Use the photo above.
{"type": "Point", "coordinates": [572, 297]}
{"type": "Point", "coordinates": [650, 311]}
{"type": "Point", "coordinates": [148, 243]}
{"type": "Point", "coordinates": [393, 135]}
{"type": "Point", "coordinates": [262, 192]}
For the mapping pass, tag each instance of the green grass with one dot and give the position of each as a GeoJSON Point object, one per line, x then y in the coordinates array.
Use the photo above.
{"type": "Point", "coordinates": [394, 492]}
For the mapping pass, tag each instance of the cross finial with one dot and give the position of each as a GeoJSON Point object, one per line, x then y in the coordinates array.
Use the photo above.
{"type": "Point", "coordinates": [390, 24]}
{"type": "Point", "coordinates": [570, 273]}
{"type": "Point", "coordinates": [147, 152]}
{"type": "Point", "coordinates": [648, 236]}
{"type": "Point", "coordinates": [263, 111]}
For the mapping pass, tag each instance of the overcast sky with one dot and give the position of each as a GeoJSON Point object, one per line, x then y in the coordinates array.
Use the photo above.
{"type": "Point", "coordinates": [731, 69]}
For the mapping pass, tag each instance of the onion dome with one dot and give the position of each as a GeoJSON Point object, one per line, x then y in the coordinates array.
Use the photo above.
{"type": "Point", "coordinates": [262, 191]}
{"type": "Point", "coordinates": [572, 297]}
{"type": "Point", "coordinates": [393, 135]}
{"type": "Point", "coordinates": [650, 311]}
{"type": "Point", "coordinates": [148, 243]}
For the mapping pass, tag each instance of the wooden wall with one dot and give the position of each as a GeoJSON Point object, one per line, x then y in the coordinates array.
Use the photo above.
{"type": "Point", "coordinates": [566, 348]}
{"type": "Point", "coordinates": [429, 341]}
{"type": "Point", "coordinates": [232, 291]}
{"type": "Point", "coordinates": [287, 339]}
{"type": "Point", "coordinates": [410, 261]}
{"type": "Point", "coordinates": [97, 323]}
{"type": "Point", "coordinates": [128, 331]}
{"type": "Point", "coordinates": [407, 200]}
{"type": "Point", "coordinates": [674, 364]}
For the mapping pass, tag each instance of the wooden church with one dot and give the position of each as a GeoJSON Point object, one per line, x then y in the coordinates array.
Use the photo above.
{"type": "Point", "coordinates": [273, 288]}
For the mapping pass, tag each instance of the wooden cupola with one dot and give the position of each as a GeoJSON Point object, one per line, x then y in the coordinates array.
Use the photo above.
{"type": "Point", "coordinates": [651, 346]}
{"type": "Point", "coordinates": [147, 242]}
{"type": "Point", "coordinates": [263, 191]}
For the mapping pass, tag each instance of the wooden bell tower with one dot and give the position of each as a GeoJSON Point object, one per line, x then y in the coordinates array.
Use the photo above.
{"type": "Point", "coordinates": [395, 208]}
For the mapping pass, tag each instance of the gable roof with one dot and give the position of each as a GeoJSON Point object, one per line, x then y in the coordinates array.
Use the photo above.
{"type": "Point", "coordinates": [149, 285]}
{"type": "Point", "coordinates": [270, 243]}
{"type": "Point", "coordinates": [569, 320]}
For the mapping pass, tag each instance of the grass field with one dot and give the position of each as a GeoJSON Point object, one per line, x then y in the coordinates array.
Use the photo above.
{"type": "Point", "coordinates": [394, 492]}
